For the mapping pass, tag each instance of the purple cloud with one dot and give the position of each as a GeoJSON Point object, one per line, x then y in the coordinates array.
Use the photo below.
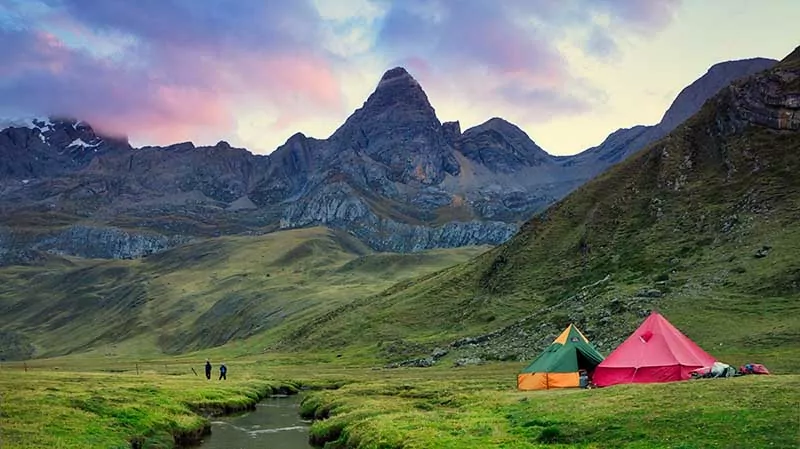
{"type": "Point", "coordinates": [474, 39]}
{"type": "Point", "coordinates": [250, 24]}
{"type": "Point", "coordinates": [509, 47]}
{"type": "Point", "coordinates": [183, 72]}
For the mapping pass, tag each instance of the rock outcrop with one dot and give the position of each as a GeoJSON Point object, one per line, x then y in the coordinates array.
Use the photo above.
{"type": "Point", "coordinates": [501, 147]}
{"type": "Point", "coordinates": [18, 246]}
{"type": "Point", "coordinates": [764, 100]}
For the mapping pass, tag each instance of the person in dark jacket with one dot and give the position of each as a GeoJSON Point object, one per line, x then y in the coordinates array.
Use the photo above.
{"type": "Point", "coordinates": [208, 370]}
{"type": "Point", "coordinates": [583, 378]}
{"type": "Point", "coordinates": [223, 372]}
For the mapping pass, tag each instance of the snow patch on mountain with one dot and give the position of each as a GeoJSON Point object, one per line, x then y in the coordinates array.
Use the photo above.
{"type": "Point", "coordinates": [80, 143]}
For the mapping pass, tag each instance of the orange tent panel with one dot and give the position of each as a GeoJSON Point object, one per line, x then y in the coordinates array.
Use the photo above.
{"type": "Point", "coordinates": [545, 381]}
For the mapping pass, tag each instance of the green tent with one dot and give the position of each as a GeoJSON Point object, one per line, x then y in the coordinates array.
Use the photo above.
{"type": "Point", "coordinates": [558, 366]}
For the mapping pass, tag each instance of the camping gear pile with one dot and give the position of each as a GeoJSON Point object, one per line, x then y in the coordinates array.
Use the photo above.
{"type": "Point", "coordinates": [753, 368]}
{"type": "Point", "coordinates": [723, 370]}
{"type": "Point", "coordinates": [655, 352]}
{"type": "Point", "coordinates": [718, 369]}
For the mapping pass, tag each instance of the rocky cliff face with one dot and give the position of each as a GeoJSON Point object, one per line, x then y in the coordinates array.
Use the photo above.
{"type": "Point", "coordinates": [383, 176]}
{"type": "Point", "coordinates": [397, 128]}
{"type": "Point", "coordinates": [392, 174]}
{"type": "Point", "coordinates": [771, 99]}
{"type": "Point", "coordinates": [24, 247]}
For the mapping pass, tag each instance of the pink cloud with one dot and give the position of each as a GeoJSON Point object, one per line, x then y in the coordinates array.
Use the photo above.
{"type": "Point", "coordinates": [176, 82]}
{"type": "Point", "coordinates": [310, 76]}
{"type": "Point", "coordinates": [175, 112]}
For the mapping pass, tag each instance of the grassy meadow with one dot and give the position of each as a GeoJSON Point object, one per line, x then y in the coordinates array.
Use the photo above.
{"type": "Point", "coordinates": [128, 333]}
{"type": "Point", "coordinates": [359, 407]}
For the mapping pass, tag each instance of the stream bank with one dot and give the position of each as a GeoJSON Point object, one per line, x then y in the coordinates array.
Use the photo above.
{"type": "Point", "coordinates": [193, 436]}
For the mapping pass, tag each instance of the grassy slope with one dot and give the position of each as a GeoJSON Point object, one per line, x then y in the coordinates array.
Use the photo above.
{"type": "Point", "coordinates": [199, 295]}
{"type": "Point", "coordinates": [685, 216]}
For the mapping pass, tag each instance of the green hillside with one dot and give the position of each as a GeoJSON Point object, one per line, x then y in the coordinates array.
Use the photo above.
{"type": "Point", "coordinates": [196, 296]}
{"type": "Point", "coordinates": [702, 225]}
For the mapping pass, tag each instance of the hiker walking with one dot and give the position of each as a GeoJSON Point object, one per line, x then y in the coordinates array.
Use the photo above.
{"type": "Point", "coordinates": [208, 370]}
{"type": "Point", "coordinates": [223, 371]}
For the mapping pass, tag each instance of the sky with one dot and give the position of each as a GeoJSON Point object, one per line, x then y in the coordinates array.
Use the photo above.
{"type": "Point", "coordinates": [254, 72]}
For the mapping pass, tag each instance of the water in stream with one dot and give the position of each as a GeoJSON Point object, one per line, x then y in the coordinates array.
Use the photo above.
{"type": "Point", "coordinates": [274, 424]}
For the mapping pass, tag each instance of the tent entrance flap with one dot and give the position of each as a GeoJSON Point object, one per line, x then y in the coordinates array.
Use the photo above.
{"type": "Point", "coordinates": [586, 362]}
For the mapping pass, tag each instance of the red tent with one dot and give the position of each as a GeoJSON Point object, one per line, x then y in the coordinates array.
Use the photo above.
{"type": "Point", "coordinates": [655, 352]}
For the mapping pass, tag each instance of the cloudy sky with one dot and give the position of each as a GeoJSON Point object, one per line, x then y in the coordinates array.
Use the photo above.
{"type": "Point", "coordinates": [254, 72]}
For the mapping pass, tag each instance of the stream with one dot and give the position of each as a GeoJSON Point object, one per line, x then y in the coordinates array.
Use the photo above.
{"type": "Point", "coordinates": [274, 424]}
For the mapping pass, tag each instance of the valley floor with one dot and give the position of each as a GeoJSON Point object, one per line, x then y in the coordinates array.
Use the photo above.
{"type": "Point", "coordinates": [471, 407]}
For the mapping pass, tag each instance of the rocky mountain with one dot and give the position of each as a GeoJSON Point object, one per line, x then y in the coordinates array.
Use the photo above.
{"type": "Point", "coordinates": [702, 226]}
{"type": "Point", "coordinates": [393, 175]}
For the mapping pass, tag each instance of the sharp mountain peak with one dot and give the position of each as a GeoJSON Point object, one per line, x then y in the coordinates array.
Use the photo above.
{"type": "Point", "coordinates": [398, 86]}
{"type": "Point", "coordinates": [397, 103]}
{"type": "Point", "coordinates": [396, 73]}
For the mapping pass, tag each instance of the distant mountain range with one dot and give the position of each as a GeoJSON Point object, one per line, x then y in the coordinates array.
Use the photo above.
{"type": "Point", "coordinates": [392, 175]}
